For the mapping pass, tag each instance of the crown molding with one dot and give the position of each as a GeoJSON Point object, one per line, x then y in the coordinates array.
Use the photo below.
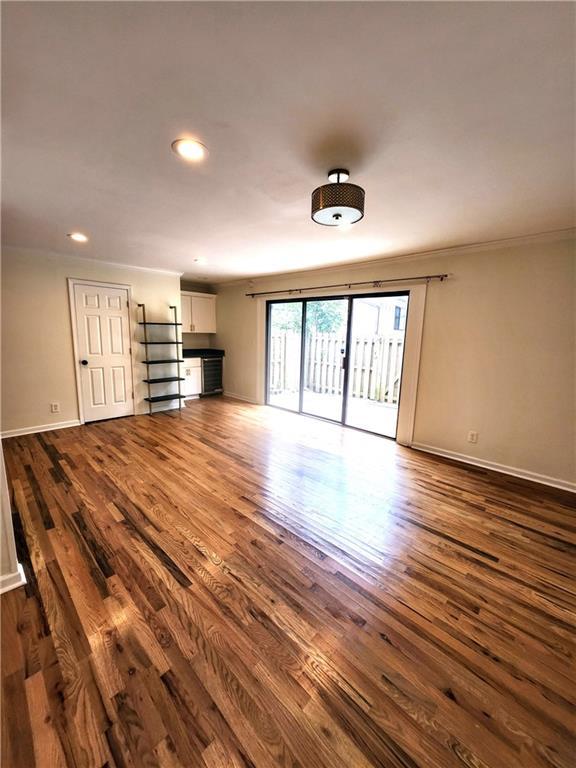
{"type": "Point", "coordinates": [508, 242]}
{"type": "Point", "coordinates": [138, 268]}
{"type": "Point", "coordinates": [73, 257]}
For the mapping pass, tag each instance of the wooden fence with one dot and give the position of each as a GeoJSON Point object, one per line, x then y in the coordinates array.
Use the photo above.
{"type": "Point", "coordinates": [375, 364]}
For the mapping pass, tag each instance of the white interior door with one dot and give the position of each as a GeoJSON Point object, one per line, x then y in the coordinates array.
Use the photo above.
{"type": "Point", "coordinates": [103, 339]}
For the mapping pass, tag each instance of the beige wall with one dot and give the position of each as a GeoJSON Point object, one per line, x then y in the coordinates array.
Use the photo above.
{"type": "Point", "coordinates": [498, 350]}
{"type": "Point", "coordinates": [38, 365]}
{"type": "Point", "coordinates": [197, 340]}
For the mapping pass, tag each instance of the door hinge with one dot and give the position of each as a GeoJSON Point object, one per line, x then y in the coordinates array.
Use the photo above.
{"type": "Point", "coordinates": [132, 395]}
{"type": "Point", "coordinates": [127, 303]}
{"type": "Point", "coordinates": [130, 350]}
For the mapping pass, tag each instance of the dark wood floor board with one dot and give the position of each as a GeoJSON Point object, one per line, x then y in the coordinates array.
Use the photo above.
{"type": "Point", "coordinates": [18, 740]}
{"type": "Point", "coordinates": [237, 587]}
{"type": "Point", "coordinates": [14, 659]}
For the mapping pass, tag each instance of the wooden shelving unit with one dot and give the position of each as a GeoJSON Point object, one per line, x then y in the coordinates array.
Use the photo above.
{"type": "Point", "coordinates": [150, 380]}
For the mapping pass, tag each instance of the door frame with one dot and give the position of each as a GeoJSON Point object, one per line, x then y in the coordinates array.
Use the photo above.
{"type": "Point", "coordinates": [72, 283]}
{"type": "Point", "coordinates": [412, 347]}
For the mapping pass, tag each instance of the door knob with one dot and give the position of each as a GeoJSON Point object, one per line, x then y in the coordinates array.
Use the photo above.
{"type": "Point", "coordinates": [84, 362]}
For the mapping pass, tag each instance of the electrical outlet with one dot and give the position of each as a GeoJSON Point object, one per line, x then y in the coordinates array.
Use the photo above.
{"type": "Point", "coordinates": [54, 407]}
{"type": "Point", "coordinates": [472, 437]}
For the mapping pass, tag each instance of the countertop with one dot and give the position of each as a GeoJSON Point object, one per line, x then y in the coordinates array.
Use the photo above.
{"type": "Point", "coordinates": [203, 352]}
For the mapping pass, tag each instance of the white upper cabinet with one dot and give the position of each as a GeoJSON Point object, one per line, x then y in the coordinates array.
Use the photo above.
{"type": "Point", "coordinates": [186, 303]}
{"type": "Point", "coordinates": [198, 312]}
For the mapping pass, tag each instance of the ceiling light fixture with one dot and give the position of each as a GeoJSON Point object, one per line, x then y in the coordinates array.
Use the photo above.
{"type": "Point", "coordinates": [338, 175]}
{"type": "Point", "coordinates": [189, 149]}
{"type": "Point", "coordinates": [338, 203]}
{"type": "Point", "coordinates": [78, 237]}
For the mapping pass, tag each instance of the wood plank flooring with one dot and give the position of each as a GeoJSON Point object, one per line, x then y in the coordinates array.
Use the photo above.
{"type": "Point", "coordinates": [235, 587]}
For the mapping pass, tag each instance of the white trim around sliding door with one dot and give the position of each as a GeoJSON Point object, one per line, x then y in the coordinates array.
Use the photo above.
{"type": "Point", "coordinates": [261, 349]}
{"type": "Point", "coordinates": [411, 364]}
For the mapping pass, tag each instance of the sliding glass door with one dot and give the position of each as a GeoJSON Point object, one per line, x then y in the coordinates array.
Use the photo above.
{"type": "Point", "coordinates": [326, 328]}
{"type": "Point", "coordinates": [338, 358]}
{"type": "Point", "coordinates": [378, 325]}
{"type": "Point", "coordinates": [284, 353]}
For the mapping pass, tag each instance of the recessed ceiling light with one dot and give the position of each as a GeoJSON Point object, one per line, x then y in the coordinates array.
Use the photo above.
{"type": "Point", "coordinates": [189, 149]}
{"type": "Point", "coordinates": [78, 237]}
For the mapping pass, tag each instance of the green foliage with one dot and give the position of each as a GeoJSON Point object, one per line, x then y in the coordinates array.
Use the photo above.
{"type": "Point", "coordinates": [326, 316]}
{"type": "Point", "coordinates": [286, 317]}
{"type": "Point", "coordinates": [321, 316]}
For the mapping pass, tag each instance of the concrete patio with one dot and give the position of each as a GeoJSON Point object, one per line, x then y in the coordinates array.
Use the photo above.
{"type": "Point", "coordinates": [361, 412]}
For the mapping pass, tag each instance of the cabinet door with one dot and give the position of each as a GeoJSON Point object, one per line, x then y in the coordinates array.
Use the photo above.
{"type": "Point", "coordinates": [204, 314]}
{"type": "Point", "coordinates": [186, 303]}
{"type": "Point", "coordinates": [196, 381]}
{"type": "Point", "coordinates": [187, 383]}
{"type": "Point", "coordinates": [192, 379]}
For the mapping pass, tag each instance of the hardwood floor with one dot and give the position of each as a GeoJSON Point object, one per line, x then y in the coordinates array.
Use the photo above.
{"type": "Point", "coordinates": [236, 586]}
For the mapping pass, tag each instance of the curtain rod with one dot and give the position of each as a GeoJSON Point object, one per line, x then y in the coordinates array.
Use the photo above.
{"type": "Point", "coordinates": [373, 283]}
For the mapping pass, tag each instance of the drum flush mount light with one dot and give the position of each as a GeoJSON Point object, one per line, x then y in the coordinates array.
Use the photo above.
{"type": "Point", "coordinates": [339, 202]}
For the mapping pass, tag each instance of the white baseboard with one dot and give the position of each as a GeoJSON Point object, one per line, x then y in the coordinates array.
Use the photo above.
{"type": "Point", "coordinates": [234, 396]}
{"type": "Point", "coordinates": [66, 424]}
{"type": "Point", "coordinates": [12, 580]}
{"type": "Point", "coordinates": [40, 428]}
{"type": "Point", "coordinates": [525, 474]}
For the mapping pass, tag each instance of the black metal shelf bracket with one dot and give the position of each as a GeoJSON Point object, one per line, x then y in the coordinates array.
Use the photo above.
{"type": "Point", "coordinates": [162, 398]}
{"type": "Point", "coordinates": [149, 380]}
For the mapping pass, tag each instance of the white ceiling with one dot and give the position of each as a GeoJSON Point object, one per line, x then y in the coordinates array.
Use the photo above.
{"type": "Point", "coordinates": [457, 118]}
